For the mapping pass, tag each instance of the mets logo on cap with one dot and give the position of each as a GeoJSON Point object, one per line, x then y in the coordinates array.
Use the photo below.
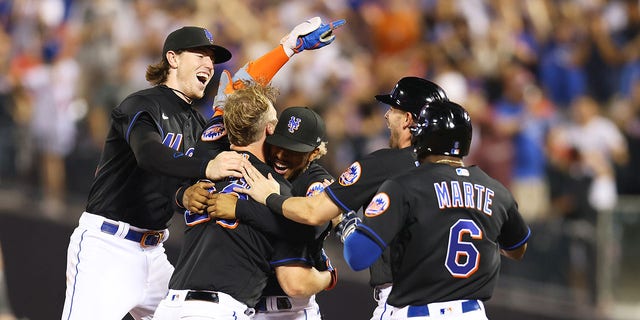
{"type": "Point", "coordinates": [294, 124]}
{"type": "Point", "coordinates": [378, 205]}
{"type": "Point", "coordinates": [208, 35]}
{"type": "Point", "coordinates": [351, 175]}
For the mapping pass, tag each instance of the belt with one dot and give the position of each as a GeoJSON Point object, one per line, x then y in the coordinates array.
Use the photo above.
{"type": "Point", "coordinates": [377, 290]}
{"type": "Point", "coordinates": [145, 238]}
{"type": "Point", "coordinates": [423, 310]}
{"type": "Point", "coordinates": [209, 296]}
{"type": "Point", "coordinates": [282, 303]}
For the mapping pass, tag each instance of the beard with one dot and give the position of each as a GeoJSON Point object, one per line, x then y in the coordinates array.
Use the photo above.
{"type": "Point", "coordinates": [393, 140]}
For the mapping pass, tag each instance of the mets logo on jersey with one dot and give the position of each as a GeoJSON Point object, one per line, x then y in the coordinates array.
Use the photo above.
{"type": "Point", "coordinates": [237, 183]}
{"type": "Point", "coordinates": [351, 175]}
{"type": "Point", "coordinates": [378, 205]}
{"type": "Point", "coordinates": [294, 124]}
{"type": "Point", "coordinates": [315, 188]}
{"type": "Point", "coordinates": [213, 133]}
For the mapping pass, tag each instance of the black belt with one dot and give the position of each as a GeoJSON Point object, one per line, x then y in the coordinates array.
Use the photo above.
{"type": "Point", "coordinates": [282, 303]}
{"type": "Point", "coordinates": [209, 296]}
{"type": "Point", "coordinates": [377, 290]}
{"type": "Point", "coordinates": [144, 238]}
{"type": "Point", "coordinates": [423, 311]}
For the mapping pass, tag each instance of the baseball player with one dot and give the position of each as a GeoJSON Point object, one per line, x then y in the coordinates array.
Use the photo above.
{"type": "Point", "coordinates": [446, 225]}
{"type": "Point", "coordinates": [358, 183]}
{"type": "Point", "coordinates": [116, 262]}
{"type": "Point", "coordinates": [296, 143]}
{"type": "Point", "coordinates": [224, 264]}
{"type": "Point", "coordinates": [312, 34]}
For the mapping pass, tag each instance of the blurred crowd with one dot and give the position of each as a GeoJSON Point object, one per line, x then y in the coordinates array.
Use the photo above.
{"type": "Point", "coordinates": [553, 86]}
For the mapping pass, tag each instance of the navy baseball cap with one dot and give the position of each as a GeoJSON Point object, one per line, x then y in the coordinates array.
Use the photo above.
{"type": "Point", "coordinates": [194, 37]}
{"type": "Point", "coordinates": [299, 129]}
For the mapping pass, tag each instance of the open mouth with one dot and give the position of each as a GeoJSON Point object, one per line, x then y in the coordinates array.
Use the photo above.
{"type": "Point", "coordinates": [202, 77]}
{"type": "Point", "coordinates": [280, 168]}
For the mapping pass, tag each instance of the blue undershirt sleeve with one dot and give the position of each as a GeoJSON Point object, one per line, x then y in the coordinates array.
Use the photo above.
{"type": "Point", "coordinates": [360, 251]}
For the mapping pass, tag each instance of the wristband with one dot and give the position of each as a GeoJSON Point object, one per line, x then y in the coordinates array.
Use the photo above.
{"type": "Point", "coordinates": [334, 279]}
{"type": "Point", "coordinates": [179, 195]}
{"type": "Point", "coordinates": [275, 201]}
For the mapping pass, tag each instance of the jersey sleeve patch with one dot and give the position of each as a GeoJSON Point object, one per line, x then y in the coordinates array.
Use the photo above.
{"type": "Point", "coordinates": [213, 132]}
{"type": "Point", "coordinates": [378, 205]}
{"type": "Point", "coordinates": [351, 175]}
{"type": "Point", "coordinates": [314, 188]}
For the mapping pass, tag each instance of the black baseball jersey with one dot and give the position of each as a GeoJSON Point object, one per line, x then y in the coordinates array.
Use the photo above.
{"type": "Point", "coordinates": [308, 183]}
{"type": "Point", "coordinates": [228, 255]}
{"type": "Point", "coordinates": [445, 226]}
{"type": "Point", "coordinates": [358, 184]}
{"type": "Point", "coordinates": [138, 175]}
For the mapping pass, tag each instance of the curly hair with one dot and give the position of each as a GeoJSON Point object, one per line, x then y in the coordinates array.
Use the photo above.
{"type": "Point", "coordinates": [246, 112]}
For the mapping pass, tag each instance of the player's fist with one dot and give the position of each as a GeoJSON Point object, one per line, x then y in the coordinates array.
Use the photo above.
{"type": "Point", "coordinates": [310, 35]}
{"type": "Point", "coordinates": [195, 197]}
{"type": "Point", "coordinates": [195, 200]}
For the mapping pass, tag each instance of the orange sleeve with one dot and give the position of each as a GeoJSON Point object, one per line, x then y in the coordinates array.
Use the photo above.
{"type": "Point", "coordinates": [265, 68]}
{"type": "Point", "coordinates": [261, 70]}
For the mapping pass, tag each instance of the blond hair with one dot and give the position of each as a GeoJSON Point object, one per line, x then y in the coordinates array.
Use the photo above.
{"type": "Point", "coordinates": [322, 150]}
{"type": "Point", "coordinates": [246, 112]}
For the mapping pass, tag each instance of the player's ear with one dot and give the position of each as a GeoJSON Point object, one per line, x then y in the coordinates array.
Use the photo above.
{"type": "Point", "coordinates": [271, 128]}
{"type": "Point", "coordinates": [172, 58]}
{"type": "Point", "coordinates": [408, 120]}
{"type": "Point", "coordinates": [313, 155]}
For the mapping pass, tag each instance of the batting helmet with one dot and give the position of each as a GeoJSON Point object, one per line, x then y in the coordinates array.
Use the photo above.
{"type": "Point", "coordinates": [411, 94]}
{"type": "Point", "coordinates": [444, 128]}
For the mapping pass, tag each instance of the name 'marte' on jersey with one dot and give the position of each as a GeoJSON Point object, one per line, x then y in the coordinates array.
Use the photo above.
{"type": "Point", "coordinates": [456, 194]}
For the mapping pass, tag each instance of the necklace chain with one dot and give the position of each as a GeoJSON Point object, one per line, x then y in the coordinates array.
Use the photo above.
{"type": "Point", "coordinates": [189, 100]}
{"type": "Point", "coordinates": [456, 162]}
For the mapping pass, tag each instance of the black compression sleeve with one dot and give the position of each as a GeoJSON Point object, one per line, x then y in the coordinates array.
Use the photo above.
{"type": "Point", "coordinates": [152, 155]}
{"type": "Point", "coordinates": [275, 201]}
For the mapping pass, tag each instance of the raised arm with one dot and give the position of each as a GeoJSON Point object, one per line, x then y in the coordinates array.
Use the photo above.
{"type": "Point", "coordinates": [309, 35]}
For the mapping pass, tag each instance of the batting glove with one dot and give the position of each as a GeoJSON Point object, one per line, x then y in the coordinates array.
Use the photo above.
{"type": "Point", "coordinates": [225, 87]}
{"type": "Point", "coordinates": [330, 268]}
{"type": "Point", "coordinates": [348, 224]}
{"type": "Point", "coordinates": [310, 35]}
